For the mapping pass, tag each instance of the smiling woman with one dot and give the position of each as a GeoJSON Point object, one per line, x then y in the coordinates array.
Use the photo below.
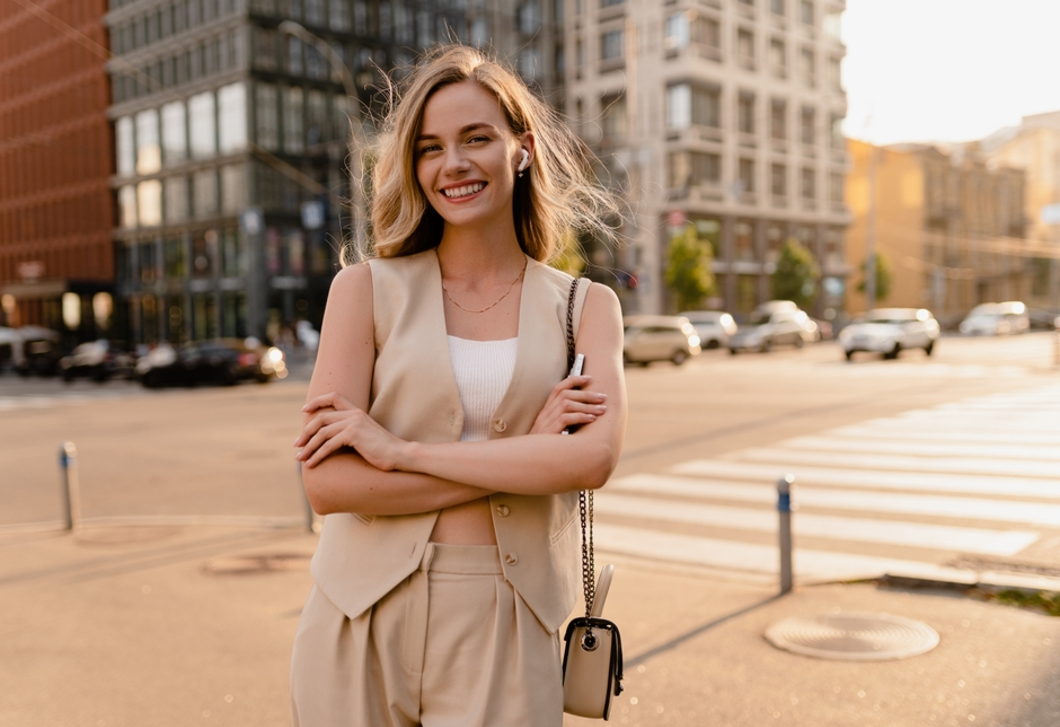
{"type": "Point", "coordinates": [449, 557]}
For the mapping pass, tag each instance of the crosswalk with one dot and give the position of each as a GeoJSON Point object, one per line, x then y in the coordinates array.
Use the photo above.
{"type": "Point", "coordinates": [908, 495]}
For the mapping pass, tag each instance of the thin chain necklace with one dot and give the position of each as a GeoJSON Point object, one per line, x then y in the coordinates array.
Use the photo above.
{"type": "Point", "coordinates": [491, 305]}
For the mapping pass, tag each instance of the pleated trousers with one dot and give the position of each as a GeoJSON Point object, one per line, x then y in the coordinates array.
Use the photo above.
{"type": "Point", "coordinates": [451, 646]}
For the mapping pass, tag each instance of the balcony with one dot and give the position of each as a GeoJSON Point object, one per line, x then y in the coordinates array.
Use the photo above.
{"type": "Point", "coordinates": [747, 62]}
{"type": "Point", "coordinates": [748, 140]}
{"type": "Point", "coordinates": [780, 201]}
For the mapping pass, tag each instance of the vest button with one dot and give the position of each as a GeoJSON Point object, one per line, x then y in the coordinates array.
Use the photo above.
{"type": "Point", "coordinates": [503, 510]}
{"type": "Point", "coordinates": [510, 559]}
{"type": "Point", "coordinates": [500, 425]}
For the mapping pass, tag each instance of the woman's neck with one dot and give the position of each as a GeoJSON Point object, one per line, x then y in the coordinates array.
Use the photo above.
{"type": "Point", "coordinates": [467, 255]}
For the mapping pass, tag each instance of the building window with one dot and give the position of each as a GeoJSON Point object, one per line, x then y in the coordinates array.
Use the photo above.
{"type": "Point", "coordinates": [832, 25]}
{"type": "Point", "coordinates": [778, 58]}
{"type": "Point", "coordinates": [316, 106]}
{"type": "Point", "coordinates": [609, 3]}
{"type": "Point", "coordinates": [480, 32]}
{"type": "Point", "coordinates": [807, 132]}
{"type": "Point", "coordinates": [745, 47]}
{"type": "Point", "coordinates": [174, 133]}
{"type": "Point", "coordinates": [266, 49]}
{"type": "Point", "coordinates": [529, 64]}
{"type": "Point", "coordinates": [779, 180]}
{"type": "Point", "coordinates": [294, 56]}
{"type": "Point", "coordinates": [746, 175]}
{"type": "Point", "coordinates": [691, 168]}
{"type": "Point", "coordinates": [233, 254]}
{"type": "Point", "coordinates": [676, 30]}
{"type": "Point", "coordinates": [613, 117]}
{"type": "Point", "coordinates": [339, 15]}
{"type": "Point", "coordinates": [175, 199]}
{"type": "Point", "coordinates": [233, 189]}
{"type": "Point", "coordinates": [266, 116]}
{"type": "Point", "coordinates": [149, 202]}
{"type": "Point", "coordinates": [611, 45]}
{"type": "Point", "coordinates": [314, 12]}
{"type": "Point", "coordinates": [808, 68]}
{"type": "Point", "coordinates": [232, 117]}
{"type": "Point", "coordinates": [127, 206]}
{"type": "Point", "coordinates": [809, 184]}
{"type": "Point", "coordinates": [778, 119]}
{"type": "Point", "coordinates": [745, 113]}
{"type": "Point", "coordinates": [175, 259]}
{"type": "Point", "coordinates": [316, 65]}
{"type": "Point", "coordinates": [835, 189]}
{"type": "Point", "coordinates": [202, 125]}
{"type": "Point", "coordinates": [833, 74]}
{"type": "Point", "coordinates": [529, 17]}
{"type": "Point", "coordinates": [806, 11]}
{"type": "Point", "coordinates": [125, 145]}
{"type": "Point", "coordinates": [688, 105]}
{"type": "Point", "coordinates": [777, 7]}
{"type": "Point", "coordinates": [204, 191]}
{"type": "Point", "coordinates": [148, 149]}
{"type": "Point", "coordinates": [293, 131]}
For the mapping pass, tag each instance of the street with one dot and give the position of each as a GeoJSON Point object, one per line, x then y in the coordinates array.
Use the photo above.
{"type": "Point", "coordinates": [177, 603]}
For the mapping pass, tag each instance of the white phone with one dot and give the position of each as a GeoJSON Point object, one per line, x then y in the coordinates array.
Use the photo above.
{"type": "Point", "coordinates": [579, 362]}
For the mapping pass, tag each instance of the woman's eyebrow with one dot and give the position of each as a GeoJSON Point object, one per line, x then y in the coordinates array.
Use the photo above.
{"type": "Point", "coordinates": [463, 130]}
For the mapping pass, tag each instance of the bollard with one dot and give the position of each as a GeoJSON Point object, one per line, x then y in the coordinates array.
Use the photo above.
{"type": "Point", "coordinates": [310, 516]}
{"type": "Point", "coordinates": [71, 487]}
{"type": "Point", "coordinates": [1056, 342]}
{"type": "Point", "coordinates": [784, 508]}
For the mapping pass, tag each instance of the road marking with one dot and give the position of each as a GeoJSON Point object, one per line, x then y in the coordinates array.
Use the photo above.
{"type": "Point", "coordinates": [953, 465]}
{"type": "Point", "coordinates": [1001, 511]}
{"type": "Point", "coordinates": [899, 429]}
{"type": "Point", "coordinates": [869, 479]}
{"type": "Point", "coordinates": [809, 565]}
{"type": "Point", "coordinates": [940, 537]}
{"type": "Point", "coordinates": [914, 446]}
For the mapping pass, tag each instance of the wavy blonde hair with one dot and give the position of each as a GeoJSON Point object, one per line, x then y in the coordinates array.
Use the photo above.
{"type": "Point", "coordinates": [557, 196]}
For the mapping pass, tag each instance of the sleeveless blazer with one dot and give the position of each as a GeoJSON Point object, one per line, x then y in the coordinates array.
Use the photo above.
{"type": "Point", "coordinates": [360, 558]}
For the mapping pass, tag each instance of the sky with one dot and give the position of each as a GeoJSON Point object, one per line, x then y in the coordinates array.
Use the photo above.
{"type": "Point", "coordinates": [948, 70]}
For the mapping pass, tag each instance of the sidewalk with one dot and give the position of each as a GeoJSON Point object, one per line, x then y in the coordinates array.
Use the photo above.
{"type": "Point", "coordinates": [169, 626]}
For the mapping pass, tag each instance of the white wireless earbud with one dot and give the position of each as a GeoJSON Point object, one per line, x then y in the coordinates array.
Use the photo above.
{"type": "Point", "coordinates": [525, 162]}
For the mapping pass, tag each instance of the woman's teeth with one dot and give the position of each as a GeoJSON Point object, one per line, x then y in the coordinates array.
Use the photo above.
{"type": "Point", "coordinates": [464, 191]}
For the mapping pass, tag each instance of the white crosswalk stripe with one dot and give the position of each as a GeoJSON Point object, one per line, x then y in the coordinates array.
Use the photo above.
{"type": "Point", "coordinates": [910, 482]}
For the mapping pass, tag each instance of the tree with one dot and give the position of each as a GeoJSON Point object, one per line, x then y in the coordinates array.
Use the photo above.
{"type": "Point", "coordinates": [569, 258]}
{"type": "Point", "coordinates": [796, 275]}
{"type": "Point", "coordinates": [690, 268]}
{"type": "Point", "coordinates": [884, 276]}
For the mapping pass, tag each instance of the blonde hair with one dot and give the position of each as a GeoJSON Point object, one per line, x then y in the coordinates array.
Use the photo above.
{"type": "Point", "coordinates": [557, 194]}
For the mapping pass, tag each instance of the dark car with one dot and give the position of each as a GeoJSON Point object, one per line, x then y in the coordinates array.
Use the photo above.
{"type": "Point", "coordinates": [40, 351]}
{"type": "Point", "coordinates": [97, 360]}
{"type": "Point", "coordinates": [222, 362]}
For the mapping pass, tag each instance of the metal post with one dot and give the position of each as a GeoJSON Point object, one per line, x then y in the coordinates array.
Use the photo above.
{"type": "Point", "coordinates": [784, 508]}
{"type": "Point", "coordinates": [71, 489]}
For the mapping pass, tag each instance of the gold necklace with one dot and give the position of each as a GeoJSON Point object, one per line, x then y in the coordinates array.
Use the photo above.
{"type": "Point", "coordinates": [483, 310]}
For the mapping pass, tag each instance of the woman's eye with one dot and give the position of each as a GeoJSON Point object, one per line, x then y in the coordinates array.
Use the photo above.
{"type": "Point", "coordinates": [429, 148]}
{"type": "Point", "coordinates": [478, 139]}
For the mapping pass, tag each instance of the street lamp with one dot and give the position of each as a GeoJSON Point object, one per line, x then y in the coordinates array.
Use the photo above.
{"type": "Point", "coordinates": [355, 142]}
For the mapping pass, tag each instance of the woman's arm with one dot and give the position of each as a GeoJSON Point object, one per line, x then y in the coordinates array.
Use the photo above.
{"type": "Point", "coordinates": [538, 463]}
{"type": "Point", "coordinates": [344, 481]}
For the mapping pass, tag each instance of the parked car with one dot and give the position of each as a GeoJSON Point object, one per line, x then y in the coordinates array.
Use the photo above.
{"type": "Point", "coordinates": [773, 325]}
{"type": "Point", "coordinates": [97, 360]}
{"type": "Point", "coordinates": [714, 327]}
{"type": "Point", "coordinates": [223, 361]}
{"type": "Point", "coordinates": [659, 338]}
{"type": "Point", "coordinates": [40, 351]}
{"type": "Point", "coordinates": [889, 331]}
{"type": "Point", "coordinates": [996, 319]}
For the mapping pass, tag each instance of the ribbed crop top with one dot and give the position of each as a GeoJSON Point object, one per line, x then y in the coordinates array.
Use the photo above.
{"type": "Point", "coordinates": [483, 371]}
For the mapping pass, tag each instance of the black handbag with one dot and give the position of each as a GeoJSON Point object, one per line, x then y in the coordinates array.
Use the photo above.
{"type": "Point", "coordinates": [592, 654]}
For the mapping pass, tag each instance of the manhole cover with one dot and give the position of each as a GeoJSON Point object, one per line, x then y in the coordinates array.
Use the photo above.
{"type": "Point", "coordinates": [237, 565]}
{"type": "Point", "coordinates": [853, 636]}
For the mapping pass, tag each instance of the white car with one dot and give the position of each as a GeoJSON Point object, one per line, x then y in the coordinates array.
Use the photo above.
{"type": "Point", "coordinates": [714, 327]}
{"type": "Point", "coordinates": [659, 338]}
{"type": "Point", "coordinates": [889, 331]}
{"type": "Point", "coordinates": [996, 319]}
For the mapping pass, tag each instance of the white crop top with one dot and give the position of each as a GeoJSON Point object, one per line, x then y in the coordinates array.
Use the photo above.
{"type": "Point", "coordinates": [483, 371]}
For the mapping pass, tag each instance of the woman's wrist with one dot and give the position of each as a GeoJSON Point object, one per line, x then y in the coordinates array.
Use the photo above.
{"type": "Point", "coordinates": [408, 456]}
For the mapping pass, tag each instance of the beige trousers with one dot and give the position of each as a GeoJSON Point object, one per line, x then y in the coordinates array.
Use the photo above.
{"type": "Point", "coordinates": [451, 646]}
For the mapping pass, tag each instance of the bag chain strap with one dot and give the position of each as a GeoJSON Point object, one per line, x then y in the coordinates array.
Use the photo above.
{"type": "Point", "coordinates": [585, 497]}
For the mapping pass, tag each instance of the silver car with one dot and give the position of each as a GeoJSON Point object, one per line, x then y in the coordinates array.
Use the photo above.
{"type": "Point", "coordinates": [659, 338]}
{"type": "Point", "coordinates": [767, 327]}
{"type": "Point", "coordinates": [714, 327]}
{"type": "Point", "coordinates": [889, 331]}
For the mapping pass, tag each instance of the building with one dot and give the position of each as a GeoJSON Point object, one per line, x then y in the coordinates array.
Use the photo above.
{"type": "Point", "coordinates": [720, 114]}
{"type": "Point", "coordinates": [231, 144]}
{"type": "Point", "coordinates": [56, 159]}
{"type": "Point", "coordinates": [1034, 146]}
{"type": "Point", "coordinates": [950, 225]}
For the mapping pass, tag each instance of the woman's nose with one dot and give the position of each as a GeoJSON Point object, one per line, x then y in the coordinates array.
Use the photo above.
{"type": "Point", "coordinates": [456, 161]}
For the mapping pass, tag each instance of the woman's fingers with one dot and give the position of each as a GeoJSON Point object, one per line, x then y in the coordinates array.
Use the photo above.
{"type": "Point", "coordinates": [332, 399]}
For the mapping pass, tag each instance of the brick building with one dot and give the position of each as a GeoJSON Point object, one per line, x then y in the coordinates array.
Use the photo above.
{"type": "Point", "coordinates": [56, 158]}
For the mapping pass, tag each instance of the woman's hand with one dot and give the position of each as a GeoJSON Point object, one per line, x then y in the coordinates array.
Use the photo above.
{"type": "Point", "coordinates": [336, 423]}
{"type": "Point", "coordinates": [568, 405]}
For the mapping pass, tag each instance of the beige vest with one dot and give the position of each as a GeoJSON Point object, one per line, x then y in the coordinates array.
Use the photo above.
{"type": "Point", "coordinates": [414, 395]}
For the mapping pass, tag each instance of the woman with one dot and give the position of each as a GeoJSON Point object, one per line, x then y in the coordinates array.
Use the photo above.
{"type": "Point", "coordinates": [449, 556]}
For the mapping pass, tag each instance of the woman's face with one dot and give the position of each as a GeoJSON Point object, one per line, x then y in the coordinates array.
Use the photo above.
{"type": "Point", "coordinates": [466, 156]}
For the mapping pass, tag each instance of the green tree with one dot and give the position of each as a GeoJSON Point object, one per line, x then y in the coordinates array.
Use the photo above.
{"type": "Point", "coordinates": [884, 277]}
{"type": "Point", "coordinates": [690, 268]}
{"type": "Point", "coordinates": [796, 275]}
{"type": "Point", "coordinates": [570, 258]}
